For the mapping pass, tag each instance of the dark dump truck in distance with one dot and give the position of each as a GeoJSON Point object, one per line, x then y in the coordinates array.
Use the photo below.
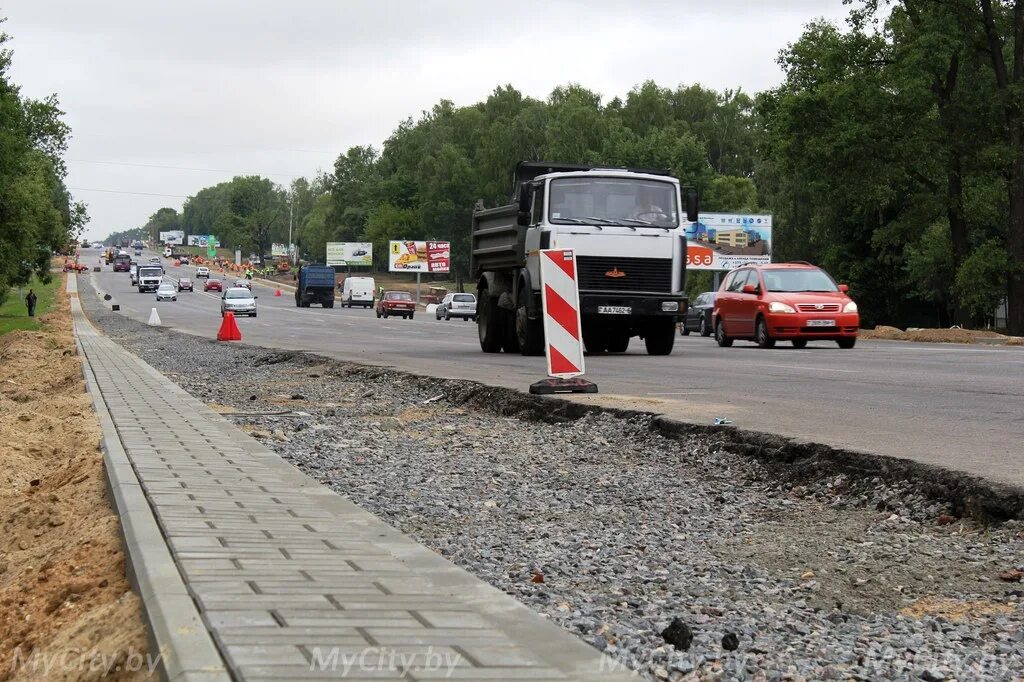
{"type": "Point", "coordinates": [627, 228]}
{"type": "Point", "coordinates": [315, 285]}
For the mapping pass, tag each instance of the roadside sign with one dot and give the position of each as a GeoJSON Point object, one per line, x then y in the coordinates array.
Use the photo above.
{"type": "Point", "coordinates": [414, 256]}
{"type": "Point", "coordinates": [723, 241]}
{"type": "Point", "coordinates": [349, 253]}
{"type": "Point", "coordinates": [560, 297]}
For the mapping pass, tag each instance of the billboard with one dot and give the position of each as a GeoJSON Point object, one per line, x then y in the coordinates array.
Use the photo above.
{"type": "Point", "coordinates": [349, 253]}
{"type": "Point", "coordinates": [201, 239]}
{"type": "Point", "coordinates": [723, 241]}
{"type": "Point", "coordinates": [172, 237]}
{"type": "Point", "coordinates": [411, 256]}
{"type": "Point", "coordinates": [281, 250]}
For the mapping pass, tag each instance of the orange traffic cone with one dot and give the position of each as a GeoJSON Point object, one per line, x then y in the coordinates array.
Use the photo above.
{"type": "Point", "coordinates": [229, 330]}
{"type": "Point", "coordinates": [277, 293]}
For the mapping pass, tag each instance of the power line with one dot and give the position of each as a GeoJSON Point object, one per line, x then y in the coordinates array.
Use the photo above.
{"type": "Point", "coordinates": [121, 191]}
{"type": "Point", "coordinates": [204, 170]}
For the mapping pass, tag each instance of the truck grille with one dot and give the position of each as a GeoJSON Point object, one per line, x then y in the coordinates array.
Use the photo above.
{"type": "Point", "coordinates": [610, 273]}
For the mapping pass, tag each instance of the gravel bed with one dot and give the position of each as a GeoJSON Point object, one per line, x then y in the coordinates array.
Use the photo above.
{"type": "Point", "coordinates": [627, 538]}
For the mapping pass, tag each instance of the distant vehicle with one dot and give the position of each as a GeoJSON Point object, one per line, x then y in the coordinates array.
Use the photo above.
{"type": "Point", "coordinates": [359, 252]}
{"type": "Point", "coordinates": [315, 285]}
{"type": "Point", "coordinates": [133, 272]}
{"type": "Point", "coordinates": [124, 243]}
{"type": "Point", "coordinates": [184, 284]}
{"type": "Point", "coordinates": [794, 302]}
{"type": "Point", "coordinates": [238, 300]}
{"type": "Point", "coordinates": [457, 305]}
{"type": "Point", "coordinates": [166, 292]}
{"type": "Point", "coordinates": [212, 285]}
{"type": "Point", "coordinates": [86, 244]}
{"type": "Point", "coordinates": [150, 277]}
{"type": "Point", "coordinates": [358, 291]}
{"type": "Point", "coordinates": [167, 252]}
{"type": "Point", "coordinates": [154, 259]}
{"type": "Point", "coordinates": [184, 260]}
{"type": "Point", "coordinates": [202, 272]}
{"type": "Point", "coordinates": [244, 283]}
{"type": "Point", "coordinates": [698, 315]}
{"type": "Point", "coordinates": [396, 303]}
{"type": "Point", "coordinates": [108, 255]}
{"type": "Point", "coordinates": [138, 251]}
{"type": "Point", "coordinates": [122, 262]}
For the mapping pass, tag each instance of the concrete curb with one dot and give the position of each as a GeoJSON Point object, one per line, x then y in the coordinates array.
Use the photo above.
{"type": "Point", "coordinates": [176, 631]}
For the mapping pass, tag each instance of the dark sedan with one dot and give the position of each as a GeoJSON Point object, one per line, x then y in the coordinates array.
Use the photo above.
{"type": "Point", "coordinates": [698, 315]}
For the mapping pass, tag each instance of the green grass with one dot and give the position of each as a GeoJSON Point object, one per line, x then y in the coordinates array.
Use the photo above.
{"type": "Point", "coordinates": [14, 314]}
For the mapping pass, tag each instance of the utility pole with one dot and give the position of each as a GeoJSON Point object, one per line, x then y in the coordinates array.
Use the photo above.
{"type": "Point", "coordinates": [291, 205]}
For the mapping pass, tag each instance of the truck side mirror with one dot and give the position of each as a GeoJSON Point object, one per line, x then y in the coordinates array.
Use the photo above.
{"type": "Point", "coordinates": [692, 205]}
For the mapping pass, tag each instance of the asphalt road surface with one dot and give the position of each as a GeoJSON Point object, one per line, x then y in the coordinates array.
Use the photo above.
{"type": "Point", "coordinates": [957, 406]}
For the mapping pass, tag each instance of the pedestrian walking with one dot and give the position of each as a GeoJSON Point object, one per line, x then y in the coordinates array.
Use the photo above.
{"type": "Point", "coordinates": [30, 303]}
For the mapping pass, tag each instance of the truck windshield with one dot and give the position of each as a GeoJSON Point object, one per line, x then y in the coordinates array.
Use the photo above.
{"type": "Point", "coordinates": [613, 201]}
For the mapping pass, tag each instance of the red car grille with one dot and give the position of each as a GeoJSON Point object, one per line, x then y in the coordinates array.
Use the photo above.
{"type": "Point", "coordinates": [818, 307]}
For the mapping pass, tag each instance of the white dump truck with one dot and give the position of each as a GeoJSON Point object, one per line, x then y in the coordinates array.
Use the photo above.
{"type": "Point", "coordinates": [627, 228]}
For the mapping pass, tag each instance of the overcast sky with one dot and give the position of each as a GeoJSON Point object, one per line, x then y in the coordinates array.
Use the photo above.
{"type": "Point", "coordinates": [217, 88]}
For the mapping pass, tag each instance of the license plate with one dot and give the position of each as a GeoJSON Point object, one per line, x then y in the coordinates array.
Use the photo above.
{"type": "Point", "coordinates": [614, 310]}
{"type": "Point", "coordinates": [821, 323]}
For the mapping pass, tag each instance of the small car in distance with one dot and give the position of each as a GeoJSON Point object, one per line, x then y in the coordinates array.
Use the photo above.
{"type": "Point", "coordinates": [212, 285]}
{"type": "Point", "coordinates": [243, 283]}
{"type": "Point", "coordinates": [238, 300]}
{"type": "Point", "coordinates": [154, 259]}
{"type": "Point", "coordinates": [698, 315]}
{"type": "Point", "coordinates": [184, 260]}
{"type": "Point", "coordinates": [396, 303]}
{"type": "Point", "coordinates": [203, 272]}
{"type": "Point", "coordinates": [795, 302]}
{"type": "Point", "coordinates": [457, 305]}
{"type": "Point", "coordinates": [166, 292]}
{"type": "Point", "coordinates": [185, 284]}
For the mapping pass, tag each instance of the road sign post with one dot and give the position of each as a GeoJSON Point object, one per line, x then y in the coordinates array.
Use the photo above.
{"type": "Point", "coordinates": [563, 331]}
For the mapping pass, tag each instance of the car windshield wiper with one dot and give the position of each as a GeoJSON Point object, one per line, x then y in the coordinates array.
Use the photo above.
{"type": "Point", "coordinates": [636, 220]}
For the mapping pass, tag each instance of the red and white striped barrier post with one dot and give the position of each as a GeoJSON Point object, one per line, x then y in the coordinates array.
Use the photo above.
{"type": "Point", "coordinates": [563, 331]}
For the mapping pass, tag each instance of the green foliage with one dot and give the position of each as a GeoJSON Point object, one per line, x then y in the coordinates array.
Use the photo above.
{"type": "Point", "coordinates": [37, 216]}
{"type": "Point", "coordinates": [981, 280]}
{"type": "Point", "coordinates": [14, 313]}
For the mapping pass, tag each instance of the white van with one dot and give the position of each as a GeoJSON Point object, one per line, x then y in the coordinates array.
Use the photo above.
{"type": "Point", "coordinates": [358, 291]}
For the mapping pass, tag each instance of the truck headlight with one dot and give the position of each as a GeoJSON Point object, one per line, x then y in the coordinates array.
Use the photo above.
{"type": "Point", "coordinates": [777, 307]}
{"type": "Point", "coordinates": [670, 306]}
{"type": "Point", "coordinates": [850, 307]}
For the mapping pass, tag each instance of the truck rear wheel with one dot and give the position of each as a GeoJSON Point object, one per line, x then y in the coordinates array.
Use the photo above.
{"type": "Point", "coordinates": [660, 336]}
{"type": "Point", "coordinates": [529, 332]}
{"type": "Point", "coordinates": [595, 340]}
{"type": "Point", "coordinates": [488, 322]}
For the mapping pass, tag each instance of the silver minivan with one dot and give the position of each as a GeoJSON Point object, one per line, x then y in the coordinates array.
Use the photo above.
{"type": "Point", "coordinates": [238, 300]}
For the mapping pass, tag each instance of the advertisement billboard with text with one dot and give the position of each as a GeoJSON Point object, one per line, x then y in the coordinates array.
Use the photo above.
{"type": "Point", "coordinates": [201, 239]}
{"type": "Point", "coordinates": [173, 237]}
{"type": "Point", "coordinates": [723, 241]}
{"type": "Point", "coordinates": [281, 250]}
{"type": "Point", "coordinates": [350, 253]}
{"type": "Point", "coordinates": [412, 256]}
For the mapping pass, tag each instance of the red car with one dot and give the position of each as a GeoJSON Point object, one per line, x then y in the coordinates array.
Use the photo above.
{"type": "Point", "coordinates": [396, 303]}
{"type": "Point", "coordinates": [212, 285]}
{"type": "Point", "coordinates": [794, 302]}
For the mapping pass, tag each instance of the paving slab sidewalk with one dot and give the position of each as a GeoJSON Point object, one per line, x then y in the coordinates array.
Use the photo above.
{"type": "Point", "coordinates": [248, 569]}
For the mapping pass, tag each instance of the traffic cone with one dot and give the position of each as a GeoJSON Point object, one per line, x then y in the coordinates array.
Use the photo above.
{"type": "Point", "coordinates": [154, 319]}
{"type": "Point", "coordinates": [277, 293]}
{"type": "Point", "coordinates": [229, 330]}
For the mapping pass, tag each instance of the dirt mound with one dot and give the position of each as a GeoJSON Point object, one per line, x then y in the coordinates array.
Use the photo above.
{"type": "Point", "coordinates": [62, 578]}
{"type": "Point", "coordinates": [954, 335]}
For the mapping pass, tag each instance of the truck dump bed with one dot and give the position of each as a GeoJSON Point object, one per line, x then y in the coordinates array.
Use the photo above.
{"type": "Point", "coordinates": [498, 241]}
{"type": "Point", "coordinates": [316, 276]}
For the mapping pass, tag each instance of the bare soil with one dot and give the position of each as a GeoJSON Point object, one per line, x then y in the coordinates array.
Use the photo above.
{"type": "Point", "coordinates": [937, 335]}
{"type": "Point", "coordinates": [64, 598]}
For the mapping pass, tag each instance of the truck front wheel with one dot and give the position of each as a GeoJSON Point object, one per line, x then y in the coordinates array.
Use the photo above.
{"type": "Point", "coordinates": [595, 340]}
{"type": "Point", "coordinates": [660, 336]}
{"type": "Point", "coordinates": [618, 342]}
{"type": "Point", "coordinates": [488, 323]}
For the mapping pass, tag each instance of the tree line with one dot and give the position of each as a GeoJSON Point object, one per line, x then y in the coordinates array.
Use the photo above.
{"type": "Point", "coordinates": [37, 214]}
{"type": "Point", "coordinates": [892, 154]}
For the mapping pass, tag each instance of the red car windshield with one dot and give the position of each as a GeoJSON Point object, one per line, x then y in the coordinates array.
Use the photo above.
{"type": "Point", "coordinates": [797, 280]}
{"type": "Point", "coordinates": [398, 297]}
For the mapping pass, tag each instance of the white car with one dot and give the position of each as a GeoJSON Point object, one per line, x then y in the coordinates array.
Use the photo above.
{"type": "Point", "coordinates": [202, 272]}
{"type": "Point", "coordinates": [166, 292]}
{"type": "Point", "coordinates": [457, 305]}
{"type": "Point", "coordinates": [238, 300]}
